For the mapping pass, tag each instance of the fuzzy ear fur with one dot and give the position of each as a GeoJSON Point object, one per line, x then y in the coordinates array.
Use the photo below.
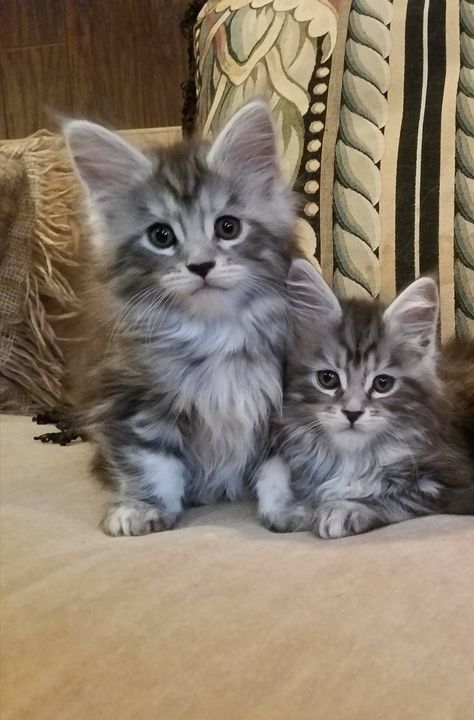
{"type": "Point", "coordinates": [104, 161]}
{"type": "Point", "coordinates": [246, 147]}
{"type": "Point", "coordinates": [414, 313]}
{"type": "Point", "coordinates": [311, 297]}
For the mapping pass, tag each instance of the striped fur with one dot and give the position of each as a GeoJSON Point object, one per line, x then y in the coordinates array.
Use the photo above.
{"type": "Point", "coordinates": [354, 457]}
{"type": "Point", "coordinates": [180, 407]}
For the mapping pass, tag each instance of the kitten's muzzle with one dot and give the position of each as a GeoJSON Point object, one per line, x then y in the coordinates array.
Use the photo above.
{"type": "Point", "coordinates": [201, 269]}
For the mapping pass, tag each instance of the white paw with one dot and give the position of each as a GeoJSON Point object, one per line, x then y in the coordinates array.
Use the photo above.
{"type": "Point", "coordinates": [343, 518]}
{"type": "Point", "coordinates": [134, 517]}
{"type": "Point", "coordinates": [295, 518]}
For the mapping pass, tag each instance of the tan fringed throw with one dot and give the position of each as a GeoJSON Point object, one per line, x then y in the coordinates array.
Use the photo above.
{"type": "Point", "coordinates": [39, 239]}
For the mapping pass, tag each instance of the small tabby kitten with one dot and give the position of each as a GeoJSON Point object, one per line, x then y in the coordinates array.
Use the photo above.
{"type": "Point", "coordinates": [194, 247]}
{"type": "Point", "coordinates": [367, 435]}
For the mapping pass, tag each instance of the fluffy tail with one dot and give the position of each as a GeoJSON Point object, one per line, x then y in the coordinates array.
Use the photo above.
{"type": "Point", "coordinates": [462, 503]}
{"type": "Point", "coordinates": [457, 370]}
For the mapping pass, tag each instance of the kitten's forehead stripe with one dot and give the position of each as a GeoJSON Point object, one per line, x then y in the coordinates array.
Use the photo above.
{"type": "Point", "coordinates": [182, 171]}
{"type": "Point", "coordinates": [361, 330]}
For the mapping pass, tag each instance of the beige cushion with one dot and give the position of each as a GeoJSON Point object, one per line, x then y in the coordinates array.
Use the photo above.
{"type": "Point", "coordinates": [221, 619]}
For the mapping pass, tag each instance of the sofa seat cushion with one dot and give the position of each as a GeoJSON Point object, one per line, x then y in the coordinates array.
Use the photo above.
{"type": "Point", "coordinates": [221, 618]}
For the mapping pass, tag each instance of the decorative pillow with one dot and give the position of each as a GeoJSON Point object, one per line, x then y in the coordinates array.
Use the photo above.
{"type": "Point", "coordinates": [281, 51]}
{"type": "Point", "coordinates": [373, 101]}
{"type": "Point", "coordinates": [39, 245]}
{"type": "Point", "coordinates": [44, 255]}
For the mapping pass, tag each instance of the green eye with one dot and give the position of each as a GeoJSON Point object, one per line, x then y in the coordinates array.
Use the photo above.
{"type": "Point", "coordinates": [161, 236]}
{"type": "Point", "coordinates": [383, 383]}
{"type": "Point", "coordinates": [227, 227]}
{"type": "Point", "coordinates": [328, 379]}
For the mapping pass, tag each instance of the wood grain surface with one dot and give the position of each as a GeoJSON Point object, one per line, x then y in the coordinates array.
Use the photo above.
{"type": "Point", "coordinates": [35, 81]}
{"type": "Point", "coordinates": [3, 127]}
{"type": "Point", "coordinates": [24, 23]}
{"type": "Point", "coordinates": [162, 61]}
{"type": "Point", "coordinates": [120, 62]}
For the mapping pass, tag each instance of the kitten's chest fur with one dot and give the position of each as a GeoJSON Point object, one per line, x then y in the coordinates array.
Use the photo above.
{"type": "Point", "coordinates": [222, 388]}
{"type": "Point", "coordinates": [328, 473]}
{"type": "Point", "coordinates": [225, 421]}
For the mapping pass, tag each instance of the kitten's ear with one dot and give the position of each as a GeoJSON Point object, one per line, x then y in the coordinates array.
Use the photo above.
{"type": "Point", "coordinates": [312, 299]}
{"type": "Point", "coordinates": [246, 147]}
{"type": "Point", "coordinates": [104, 161]}
{"type": "Point", "coordinates": [414, 313]}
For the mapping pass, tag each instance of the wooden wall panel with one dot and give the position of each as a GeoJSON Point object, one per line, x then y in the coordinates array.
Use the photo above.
{"type": "Point", "coordinates": [31, 22]}
{"type": "Point", "coordinates": [163, 63]}
{"type": "Point", "coordinates": [3, 127]}
{"type": "Point", "coordinates": [120, 62]}
{"type": "Point", "coordinates": [104, 61]}
{"type": "Point", "coordinates": [35, 81]}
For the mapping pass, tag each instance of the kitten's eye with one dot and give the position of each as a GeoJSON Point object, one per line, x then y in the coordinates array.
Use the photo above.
{"type": "Point", "coordinates": [328, 379]}
{"type": "Point", "coordinates": [227, 227]}
{"type": "Point", "coordinates": [383, 383]}
{"type": "Point", "coordinates": [161, 236]}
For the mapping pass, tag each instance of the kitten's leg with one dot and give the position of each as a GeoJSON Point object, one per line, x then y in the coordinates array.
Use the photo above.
{"type": "Point", "coordinates": [403, 500]}
{"type": "Point", "coordinates": [276, 506]}
{"type": "Point", "coordinates": [151, 486]}
{"type": "Point", "coordinates": [340, 518]}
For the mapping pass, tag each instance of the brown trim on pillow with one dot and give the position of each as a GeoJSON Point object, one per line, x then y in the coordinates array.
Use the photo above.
{"type": "Point", "coordinates": [188, 88]}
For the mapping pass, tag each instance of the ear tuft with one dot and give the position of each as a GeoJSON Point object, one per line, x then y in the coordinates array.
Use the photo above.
{"type": "Point", "coordinates": [104, 161]}
{"type": "Point", "coordinates": [310, 295]}
{"type": "Point", "coordinates": [414, 313]}
{"type": "Point", "coordinates": [246, 147]}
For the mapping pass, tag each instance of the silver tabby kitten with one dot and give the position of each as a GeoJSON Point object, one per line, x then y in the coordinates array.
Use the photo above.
{"type": "Point", "coordinates": [366, 435]}
{"type": "Point", "coordinates": [194, 246]}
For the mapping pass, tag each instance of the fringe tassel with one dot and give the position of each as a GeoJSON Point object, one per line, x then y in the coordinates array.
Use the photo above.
{"type": "Point", "coordinates": [35, 359]}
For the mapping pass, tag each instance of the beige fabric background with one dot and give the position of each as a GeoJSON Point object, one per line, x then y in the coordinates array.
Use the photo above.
{"type": "Point", "coordinates": [221, 618]}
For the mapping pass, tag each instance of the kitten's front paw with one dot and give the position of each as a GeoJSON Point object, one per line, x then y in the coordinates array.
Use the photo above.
{"type": "Point", "coordinates": [343, 518]}
{"type": "Point", "coordinates": [134, 517]}
{"type": "Point", "coordinates": [293, 519]}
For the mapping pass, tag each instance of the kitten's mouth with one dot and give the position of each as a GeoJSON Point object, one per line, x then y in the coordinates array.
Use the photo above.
{"type": "Point", "coordinates": [205, 287]}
